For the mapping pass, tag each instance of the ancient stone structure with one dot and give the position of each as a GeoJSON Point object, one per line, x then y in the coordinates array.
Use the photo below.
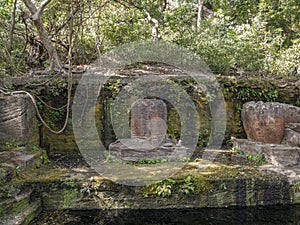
{"type": "Point", "coordinates": [265, 122]}
{"type": "Point", "coordinates": [148, 134]}
{"type": "Point", "coordinates": [149, 120]}
{"type": "Point", "coordinates": [273, 129]}
{"type": "Point", "coordinates": [18, 123]}
{"type": "Point", "coordinates": [19, 152]}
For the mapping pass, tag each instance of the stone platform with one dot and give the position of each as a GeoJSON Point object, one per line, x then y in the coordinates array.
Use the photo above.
{"type": "Point", "coordinates": [138, 149]}
{"type": "Point", "coordinates": [199, 184]}
{"type": "Point", "coordinates": [280, 159]}
{"type": "Point", "coordinates": [278, 154]}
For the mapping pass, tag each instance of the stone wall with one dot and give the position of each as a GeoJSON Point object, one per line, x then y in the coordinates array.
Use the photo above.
{"type": "Point", "coordinates": [236, 92]}
{"type": "Point", "coordinates": [18, 122]}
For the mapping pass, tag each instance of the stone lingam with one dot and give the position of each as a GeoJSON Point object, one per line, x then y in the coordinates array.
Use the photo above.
{"type": "Point", "coordinates": [272, 129]}
{"type": "Point", "coordinates": [148, 134]}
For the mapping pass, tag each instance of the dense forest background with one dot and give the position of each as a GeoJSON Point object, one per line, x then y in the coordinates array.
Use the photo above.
{"type": "Point", "coordinates": [232, 36]}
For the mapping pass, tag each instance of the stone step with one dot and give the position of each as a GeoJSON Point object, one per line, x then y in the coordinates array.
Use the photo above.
{"type": "Point", "coordinates": [23, 217]}
{"type": "Point", "coordinates": [15, 203]}
{"type": "Point", "coordinates": [6, 171]}
{"type": "Point", "coordinates": [17, 159]}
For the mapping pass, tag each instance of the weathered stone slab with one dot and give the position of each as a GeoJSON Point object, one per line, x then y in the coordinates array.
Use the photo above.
{"type": "Point", "coordinates": [238, 192]}
{"type": "Point", "coordinates": [277, 154]}
{"type": "Point", "coordinates": [18, 123]}
{"type": "Point", "coordinates": [20, 157]}
{"type": "Point", "coordinates": [136, 149]}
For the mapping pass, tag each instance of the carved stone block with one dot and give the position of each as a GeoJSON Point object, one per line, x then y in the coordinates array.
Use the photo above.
{"type": "Point", "coordinates": [18, 123]}
{"type": "Point", "coordinates": [149, 120]}
{"type": "Point", "coordinates": [265, 122]}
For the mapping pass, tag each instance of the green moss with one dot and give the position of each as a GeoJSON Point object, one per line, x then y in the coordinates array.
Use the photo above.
{"type": "Point", "coordinates": [178, 184]}
{"type": "Point", "coordinates": [70, 197]}
{"type": "Point", "coordinates": [13, 205]}
{"type": "Point", "coordinates": [201, 184]}
{"type": "Point", "coordinates": [45, 174]}
{"type": "Point", "coordinates": [174, 126]}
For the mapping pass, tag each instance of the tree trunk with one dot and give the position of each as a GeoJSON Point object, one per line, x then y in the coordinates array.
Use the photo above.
{"type": "Point", "coordinates": [199, 14]}
{"type": "Point", "coordinates": [12, 26]}
{"type": "Point", "coordinates": [36, 16]}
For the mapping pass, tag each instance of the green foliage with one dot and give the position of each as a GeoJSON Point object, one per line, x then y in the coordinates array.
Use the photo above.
{"type": "Point", "coordinates": [164, 190]}
{"type": "Point", "coordinates": [156, 161]}
{"type": "Point", "coordinates": [17, 172]}
{"type": "Point", "coordinates": [239, 35]}
{"type": "Point", "coordinates": [237, 150]}
{"type": "Point", "coordinates": [259, 158]}
{"type": "Point", "coordinates": [250, 94]}
{"type": "Point", "coordinates": [11, 144]}
{"type": "Point", "coordinates": [35, 149]}
{"type": "Point", "coordinates": [187, 186]}
{"type": "Point", "coordinates": [113, 86]}
{"type": "Point", "coordinates": [44, 159]}
{"type": "Point", "coordinates": [150, 161]}
{"type": "Point", "coordinates": [56, 97]}
{"type": "Point", "coordinates": [57, 87]}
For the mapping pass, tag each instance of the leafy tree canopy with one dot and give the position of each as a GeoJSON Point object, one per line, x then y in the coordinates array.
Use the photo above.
{"type": "Point", "coordinates": [259, 36]}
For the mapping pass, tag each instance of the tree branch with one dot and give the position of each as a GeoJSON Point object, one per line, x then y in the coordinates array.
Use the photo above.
{"type": "Point", "coordinates": [37, 14]}
{"type": "Point", "coordinates": [12, 26]}
{"type": "Point", "coordinates": [199, 14]}
{"type": "Point", "coordinates": [155, 26]}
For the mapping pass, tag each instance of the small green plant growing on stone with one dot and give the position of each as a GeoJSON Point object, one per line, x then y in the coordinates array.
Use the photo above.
{"type": "Point", "coordinates": [35, 149]}
{"type": "Point", "coordinates": [44, 159]}
{"type": "Point", "coordinates": [111, 159]}
{"type": "Point", "coordinates": [11, 144]}
{"type": "Point", "coordinates": [150, 161]}
{"type": "Point", "coordinates": [93, 189]}
{"type": "Point", "coordinates": [17, 171]}
{"type": "Point", "coordinates": [259, 158]}
{"type": "Point", "coordinates": [184, 159]}
{"type": "Point", "coordinates": [114, 86]}
{"type": "Point", "coordinates": [238, 150]}
{"type": "Point", "coordinates": [156, 161]}
{"type": "Point", "coordinates": [165, 188]}
{"type": "Point", "coordinates": [188, 186]}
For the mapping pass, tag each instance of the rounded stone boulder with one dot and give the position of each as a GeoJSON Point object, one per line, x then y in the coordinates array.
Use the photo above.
{"type": "Point", "coordinates": [265, 122]}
